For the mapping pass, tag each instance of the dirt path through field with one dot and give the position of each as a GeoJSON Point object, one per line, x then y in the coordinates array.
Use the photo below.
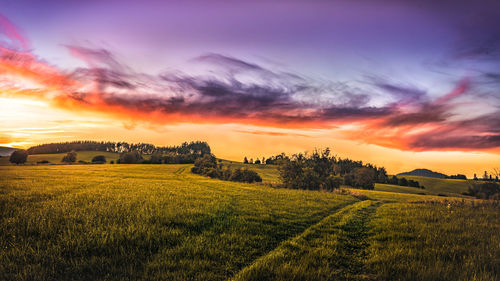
{"type": "Point", "coordinates": [333, 249]}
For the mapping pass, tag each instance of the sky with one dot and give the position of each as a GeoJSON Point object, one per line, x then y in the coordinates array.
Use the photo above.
{"type": "Point", "coordinates": [401, 84]}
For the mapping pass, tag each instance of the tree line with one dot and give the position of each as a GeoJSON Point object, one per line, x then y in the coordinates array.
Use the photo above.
{"type": "Point", "coordinates": [186, 153]}
{"type": "Point", "coordinates": [194, 147]}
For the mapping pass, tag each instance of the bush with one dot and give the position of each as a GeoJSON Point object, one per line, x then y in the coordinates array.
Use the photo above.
{"type": "Point", "coordinates": [207, 166]}
{"type": "Point", "coordinates": [70, 157]}
{"type": "Point", "coordinates": [43, 162]}
{"type": "Point", "coordinates": [19, 157]}
{"type": "Point", "coordinates": [485, 190]}
{"type": "Point", "coordinates": [99, 159]}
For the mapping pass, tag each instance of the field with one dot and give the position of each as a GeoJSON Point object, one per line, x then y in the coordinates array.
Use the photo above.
{"type": "Point", "coordinates": [160, 222]}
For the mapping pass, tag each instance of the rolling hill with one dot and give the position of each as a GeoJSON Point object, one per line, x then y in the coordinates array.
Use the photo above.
{"type": "Point", "coordinates": [6, 151]}
{"type": "Point", "coordinates": [423, 173]}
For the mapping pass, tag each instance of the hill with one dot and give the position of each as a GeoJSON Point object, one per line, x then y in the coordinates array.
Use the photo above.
{"type": "Point", "coordinates": [6, 151]}
{"type": "Point", "coordinates": [161, 222]}
{"type": "Point", "coordinates": [423, 173]}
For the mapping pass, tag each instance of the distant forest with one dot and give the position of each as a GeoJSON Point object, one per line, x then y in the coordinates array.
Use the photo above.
{"type": "Point", "coordinates": [194, 147]}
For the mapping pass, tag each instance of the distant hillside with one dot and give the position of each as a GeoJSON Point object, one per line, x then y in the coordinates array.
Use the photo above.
{"type": "Point", "coordinates": [6, 151]}
{"type": "Point", "coordinates": [423, 173]}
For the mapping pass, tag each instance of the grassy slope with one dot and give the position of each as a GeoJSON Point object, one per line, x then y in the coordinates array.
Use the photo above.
{"type": "Point", "coordinates": [143, 222]}
{"type": "Point", "coordinates": [445, 186]}
{"type": "Point", "coordinates": [57, 157]}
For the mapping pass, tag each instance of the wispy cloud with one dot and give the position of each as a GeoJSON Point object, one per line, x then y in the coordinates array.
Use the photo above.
{"type": "Point", "coordinates": [243, 92]}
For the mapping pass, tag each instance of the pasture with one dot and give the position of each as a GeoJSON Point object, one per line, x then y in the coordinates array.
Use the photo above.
{"type": "Point", "coordinates": [160, 222]}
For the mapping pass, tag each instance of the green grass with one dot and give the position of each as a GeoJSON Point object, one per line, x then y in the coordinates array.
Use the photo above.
{"type": "Point", "coordinates": [81, 222]}
{"type": "Point", "coordinates": [415, 241]}
{"type": "Point", "coordinates": [443, 186]}
{"type": "Point", "coordinates": [57, 157]}
{"type": "Point", "coordinates": [160, 222]}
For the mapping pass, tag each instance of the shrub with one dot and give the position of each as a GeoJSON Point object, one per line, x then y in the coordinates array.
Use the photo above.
{"type": "Point", "coordinates": [19, 156]}
{"type": "Point", "coordinates": [43, 162]}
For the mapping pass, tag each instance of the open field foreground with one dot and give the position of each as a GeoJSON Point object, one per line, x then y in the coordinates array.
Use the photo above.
{"type": "Point", "coordinates": [160, 222]}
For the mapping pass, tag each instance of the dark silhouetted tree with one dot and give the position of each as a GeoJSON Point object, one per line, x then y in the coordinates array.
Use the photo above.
{"type": "Point", "coordinates": [70, 157]}
{"type": "Point", "coordinates": [19, 156]}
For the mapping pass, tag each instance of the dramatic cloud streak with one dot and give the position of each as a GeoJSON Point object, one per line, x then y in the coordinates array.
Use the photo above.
{"type": "Point", "coordinates": [237, 91]}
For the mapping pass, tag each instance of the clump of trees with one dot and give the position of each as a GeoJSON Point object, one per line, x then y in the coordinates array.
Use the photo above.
{"type": "Point", "coordinates": [207, 166]}
{"type": "Point", "coordinates": [322, 171]}
{"type": "Point", "coordinates": [484, 190]}
{"type": "Point", "coordinates": [132, 157]}
{"type": "Point", "coordinates": [457, 177]}
{"type": "Point", "coordinates": [404, 182]}
{"type": "Point", "coordinates": [19, 156]}
{"type": "Point", "coordinates": [69, 158]}
{"type": "Point", "coordinates": [99, 159]}
{"type": "Point", "coordinates": [314, 172]}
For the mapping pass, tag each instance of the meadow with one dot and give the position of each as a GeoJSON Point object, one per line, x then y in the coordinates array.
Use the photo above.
{"type": "Point", "coordinates": [161, 222]}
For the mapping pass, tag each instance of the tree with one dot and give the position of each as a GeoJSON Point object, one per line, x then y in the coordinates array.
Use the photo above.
{"type": "Point", "coordinates": [485, 190]}
{"type": "Point", "coordinates": [156, 158]}
{"type": "Point", "coordinates": [363, 178]}
{"type": "Point", "coordinates": [19, 156]}
{"type": "Point", "coordinates": [485, 176]}
{"type": "Point", "coordinates": [402, 182]}
{"type": "Point", "coordinates": [99, 159]}
{"type": "Point", "coordinates": [70, 157]}
{"type": "Point", "coordinates": [257, 161]}
{"type": "Point", "coordinates": [245, 161]}
{"type": "Point", "coordinates": [132, 157]}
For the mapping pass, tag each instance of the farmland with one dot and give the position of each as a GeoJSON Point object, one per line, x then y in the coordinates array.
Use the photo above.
{"type": "Point", "coordinates": [160, 222]}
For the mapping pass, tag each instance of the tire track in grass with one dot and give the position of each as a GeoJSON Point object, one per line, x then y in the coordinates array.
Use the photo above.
{"type": "Point", "coordinates": [333, 249]}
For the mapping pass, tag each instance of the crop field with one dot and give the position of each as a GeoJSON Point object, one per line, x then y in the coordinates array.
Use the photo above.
{"type": "Point", "coordinates": [160, 222]}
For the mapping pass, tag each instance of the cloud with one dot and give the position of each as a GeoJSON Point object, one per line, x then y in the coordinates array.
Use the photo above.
{"type": "Point", "coordinates": [242, 92]}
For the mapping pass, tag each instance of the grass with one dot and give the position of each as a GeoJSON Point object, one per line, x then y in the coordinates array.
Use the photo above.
{"type": "Point", "coordinates": [57, 157]}
{"type": "Point", "coordinates": [160, 222]}
{"type": "Point", "coordinates": [444, 241]}
{"type": "Point", "coordinates": [443, 186]}
{"type": "Point", "coordinates": [81, 222]}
